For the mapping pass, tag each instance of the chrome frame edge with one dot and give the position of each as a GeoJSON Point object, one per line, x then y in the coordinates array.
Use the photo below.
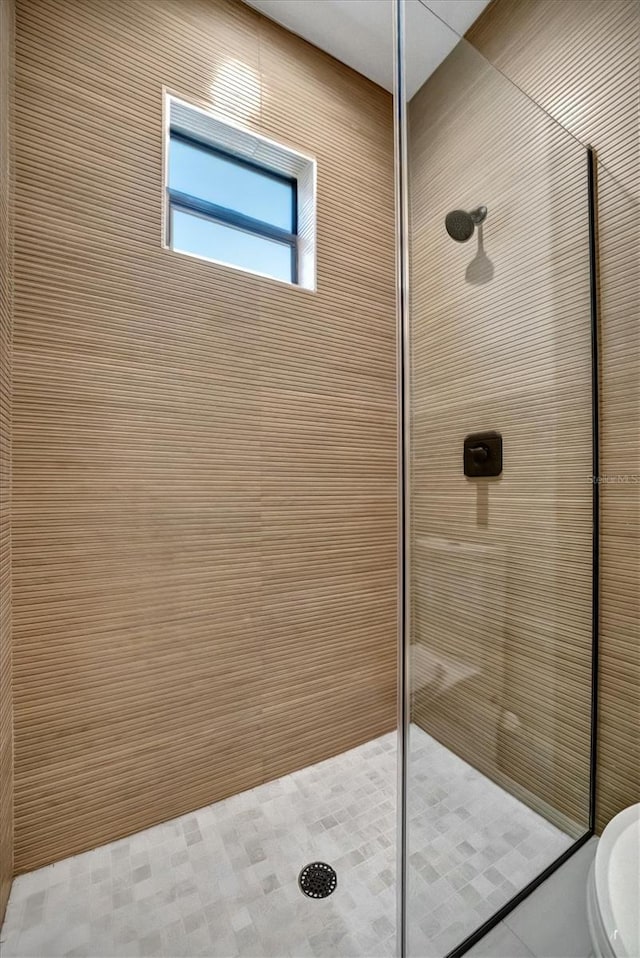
{"type": "Point", "coordinates": [402, 350]}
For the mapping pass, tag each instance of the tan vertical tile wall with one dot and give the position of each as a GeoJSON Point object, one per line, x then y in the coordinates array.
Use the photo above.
{"type": "Point", "coordinates": [579, 60]}
{"type": "Point", "coordinates": [205, 460]}
{"type": "Point", "coordinates": [6, 312]}
{"type": "Point", "coordinates": [500, 340]}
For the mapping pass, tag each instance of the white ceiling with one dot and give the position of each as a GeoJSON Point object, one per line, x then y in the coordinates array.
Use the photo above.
{"type": "Point", "coordinates": [360, 32]}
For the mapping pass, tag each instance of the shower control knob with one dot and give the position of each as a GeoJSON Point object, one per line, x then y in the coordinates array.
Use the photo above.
{"type": "Point", "coordinates": [483, 455]}
{"type": "Point", "coordinates": [479, 454]}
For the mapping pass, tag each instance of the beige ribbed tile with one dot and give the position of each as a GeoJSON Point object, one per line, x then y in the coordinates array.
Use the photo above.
{"type": "Point", "coordinates": [205, 460]}
{"type": "Point", "coordinates": [579, 60]}
{"type": "Point", "coordinates": [501, 569]}
{"type": "Point", "coordinates": [6, 317]}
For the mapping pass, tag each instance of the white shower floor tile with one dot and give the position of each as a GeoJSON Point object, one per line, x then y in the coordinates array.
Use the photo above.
{"type": "Point", "coordinates": [222, 881]}
{"type": "Point", "coordinates": [471, 847]}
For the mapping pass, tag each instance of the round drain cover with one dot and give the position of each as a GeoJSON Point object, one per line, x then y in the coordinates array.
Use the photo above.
{"type": "Point", "coordinates": [317, 880]}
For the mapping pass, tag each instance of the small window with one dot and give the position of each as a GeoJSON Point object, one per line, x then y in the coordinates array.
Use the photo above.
{"type": "Point", "coordinates": [223, 204]}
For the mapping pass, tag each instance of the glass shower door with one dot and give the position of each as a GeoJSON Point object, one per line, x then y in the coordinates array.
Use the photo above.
{"type": "Point", "coordinates": [499, 410]}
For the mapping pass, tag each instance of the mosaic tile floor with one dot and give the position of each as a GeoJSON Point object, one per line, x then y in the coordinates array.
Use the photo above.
{"type": "Point", "coordinates": [471, 847]}
{"type": "Point", "coordinates": [222, 881]}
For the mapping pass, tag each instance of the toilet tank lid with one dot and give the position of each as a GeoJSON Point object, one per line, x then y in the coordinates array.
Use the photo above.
{"type": "Point", "coordinates": [617, 880]}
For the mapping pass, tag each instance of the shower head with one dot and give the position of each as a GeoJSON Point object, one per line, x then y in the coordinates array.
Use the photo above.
{"type": "Point", "coordinates": [460, 224]}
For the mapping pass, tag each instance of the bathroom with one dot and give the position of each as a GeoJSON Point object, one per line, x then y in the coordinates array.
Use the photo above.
{"type": "Point", "coordinates": [320, 478]}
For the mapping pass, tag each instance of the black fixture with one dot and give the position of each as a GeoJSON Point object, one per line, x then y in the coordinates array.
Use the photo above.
{"type": "Point", "coordinates": [317, 880]}
{"type": "Point", "coordinates": [460, 224]}
{"type": "Point", "coordinates": [483, 455]}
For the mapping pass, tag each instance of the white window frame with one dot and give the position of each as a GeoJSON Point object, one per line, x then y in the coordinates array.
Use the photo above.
{"type": "Point", "coordinates": [224, 134]}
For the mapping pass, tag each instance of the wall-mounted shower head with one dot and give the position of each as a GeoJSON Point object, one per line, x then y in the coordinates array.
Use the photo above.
{"type": "Point", "coordinates": [460, 224]}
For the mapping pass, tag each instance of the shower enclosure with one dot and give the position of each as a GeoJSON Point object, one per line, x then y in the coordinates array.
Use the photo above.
{"type": "Point", "coordinates": [499, 396]}
{"type": "Point", "coordinates": [208, 755]}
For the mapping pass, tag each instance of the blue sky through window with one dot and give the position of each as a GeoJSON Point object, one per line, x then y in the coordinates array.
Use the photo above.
{"type": "Point", "coordinates": [191, 233]}
{"type": "Point", "coordinates": [212, 177]}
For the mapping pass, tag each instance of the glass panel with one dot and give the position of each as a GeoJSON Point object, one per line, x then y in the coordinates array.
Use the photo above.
{"type": "Point", "coordinates": [191, 233]}
{"type": "Point", "coordinates": [209, 176]}
{"type": "Point", "coordinates": [500, 567]}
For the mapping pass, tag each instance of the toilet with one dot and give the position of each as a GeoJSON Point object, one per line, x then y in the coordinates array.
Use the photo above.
{"type": "Point", "coordinates": [613, 888]}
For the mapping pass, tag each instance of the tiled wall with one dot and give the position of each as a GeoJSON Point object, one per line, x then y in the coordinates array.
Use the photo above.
{"type": "Point", "coordinates": [205, 461]}
{"type": "Point", "coordinates": [580, 63]}
{"type": "Point", "coordinates": [6, 308]}
{"type": "Point", "coordinates": [500, 340]}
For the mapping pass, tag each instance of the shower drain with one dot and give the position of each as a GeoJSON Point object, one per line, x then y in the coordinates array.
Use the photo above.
{"type": "Point", "coordinates": [317, 880]}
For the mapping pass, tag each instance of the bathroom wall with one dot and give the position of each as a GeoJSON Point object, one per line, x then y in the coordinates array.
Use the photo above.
{"type": "Point", "coordinates": [580, 63]}
{"type": "Point", "coordinates": [6, 309]}
{"type": "Point", "coordinates": [502, 575]}
{"type": "Point", "coordinates": [500, 340]}
{"type": "Point", "coordinates": [205, 461]}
